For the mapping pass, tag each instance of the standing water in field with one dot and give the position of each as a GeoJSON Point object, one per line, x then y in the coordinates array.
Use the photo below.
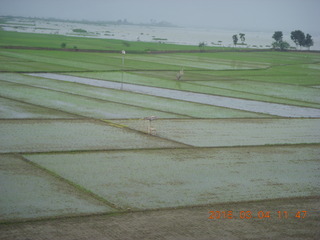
{"type": "Point", "coordinates": [236, 103]}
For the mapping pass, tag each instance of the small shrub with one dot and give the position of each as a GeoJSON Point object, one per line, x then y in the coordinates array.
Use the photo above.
{"type": "Point", "coordinates": [79, 30]}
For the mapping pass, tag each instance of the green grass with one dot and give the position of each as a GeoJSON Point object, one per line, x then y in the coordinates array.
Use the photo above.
{"type": "Point", "coordinates": [263, 76]}
{"type": "Point", "coordinates": [299, 74]}
{"type": "Point", "coordinates": [221, 73]}
{"type": "Point", "coordinates": [54, 41]}
{"type": "Point", "coordinates": [278, 90]}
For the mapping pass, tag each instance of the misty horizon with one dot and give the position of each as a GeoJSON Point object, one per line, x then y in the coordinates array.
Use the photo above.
{"type": "Point", "coordinates": [271, 15]}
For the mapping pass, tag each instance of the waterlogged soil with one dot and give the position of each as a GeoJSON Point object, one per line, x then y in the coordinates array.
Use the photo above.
{"type": "Point", "coordinates": [240, 104]}
{"type": "Point", "coordinates": [147, 179]}
{"type": "Point", "coordinates": [71, 135]}
{"type": "Point", "coordinates": [289, 91]}
{"type": "Point", "coordinates": [75, 104]}
{"type": "Point", "coordinates": [186, 109]}
{"type": "Point", "coordinates": [27, 192]}
{"type": "Point", "coordinates": [232, 132]}
{"type": "Point", "coordinates": [13, 109]}
{"type": "Point", "coordinates": [192, 82]}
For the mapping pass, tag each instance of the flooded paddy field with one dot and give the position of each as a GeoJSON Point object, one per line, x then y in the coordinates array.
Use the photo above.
{"type": "Point", "coordinates": [300, 93]}
{"type": "Point", "coordinates": [143, 179]}
{"type": "Point", "coordinates": [71, 135]}
{"type": "Point", "coordinates": [162, 107]}
{"type": "Point", "coordinates": [192, 83]}
{"type": "Point", "coordinates": [81, 106]}
{"type": "Point", "coordinates": [240, 104]}
{"type": "Point", "coordinates": [15, 109]}
{"type": "Point", "coordinates": [239, 131]}
{"type": "Point", "coordinates": [234, 132]}
{"type": "Point", "coordinates": [27, 192]}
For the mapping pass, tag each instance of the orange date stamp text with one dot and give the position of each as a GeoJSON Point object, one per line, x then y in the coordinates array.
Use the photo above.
{"type": "Point", "coordinates": [256, 215]}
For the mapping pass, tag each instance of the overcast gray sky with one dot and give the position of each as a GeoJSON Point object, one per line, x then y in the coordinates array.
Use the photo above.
{"type": "Point", "coordinates": [272, 15]}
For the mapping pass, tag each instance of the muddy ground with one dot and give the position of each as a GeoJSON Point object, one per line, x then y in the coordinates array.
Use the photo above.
{"type": "Point", "coordinates": [183, 223]}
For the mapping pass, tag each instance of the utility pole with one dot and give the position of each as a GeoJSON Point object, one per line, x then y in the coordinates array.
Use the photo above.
{"type": "Point", "coordinates": [123, 54]}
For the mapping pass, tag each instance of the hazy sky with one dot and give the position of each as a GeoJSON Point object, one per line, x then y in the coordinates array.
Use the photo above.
{"type": "Point", "coordinates": [284, 15]}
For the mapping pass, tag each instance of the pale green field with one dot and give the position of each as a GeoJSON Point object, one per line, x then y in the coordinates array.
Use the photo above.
{"type": "Point", "coordinates": [14, 109]}
{"type": "Point", "coordinates": [71, 135]}
{"type": "Point", "coordinates": [162, 107]}
{"type": "Point", "coordinates": [234, 132]}
{"type": "Point", "coordinates": [72, 148]}
{"type": "Point", "coordinates": [227, 87]}
{"type": "Point", "coordinates": [76, 104]}
{"type": "Point", "coordinates": [293, 92]}
{"type": "Point", "coordinates": [189, 61]}
{"type": "Point", "coordinates": [144, 179]}
{"type": "Point", "coordinates": [27, 192]}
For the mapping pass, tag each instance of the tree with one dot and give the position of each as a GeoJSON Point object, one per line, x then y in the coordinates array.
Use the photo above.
{"type": "Point", "coordinates": [201, 46]}
{"type": "Point", "coordinates": [282, 45]}
{"type": "Point", "coordinates": [308, 42]}
{"type": "Point", "coordinates": [235, 39]}
{"type": "Point", "coordinates": [277, 36]}
{"type": "Point", "coordinates": [298, 38]}
{"type": "Point", "coordinates": [242, 37]}
{"type": "Point", "coordinates": [63, 45]}
{"type": "Point", "coordinates": [279, 43]}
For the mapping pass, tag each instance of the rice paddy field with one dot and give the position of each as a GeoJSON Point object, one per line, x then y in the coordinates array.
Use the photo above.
{"type": "Point", "coordinates": [82, 158]}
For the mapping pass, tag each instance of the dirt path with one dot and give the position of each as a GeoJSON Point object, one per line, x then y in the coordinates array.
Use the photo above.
{"type": "Point", "coordinates": [185, 223]}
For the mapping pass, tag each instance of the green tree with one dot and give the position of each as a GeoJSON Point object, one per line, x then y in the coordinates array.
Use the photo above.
{"type": "Point", "coordinates": [308, 42]}
{"type": "Point", "coordinates": [235, 39]}
{"type": "Point", "coordinates": [277, 36]}
{"type": "Point", "coordinates": [298, 38]}
{"type": "Point", "coordinates": [242, 37]}
{"type": "Point", "coordinates": [282, 45]}
{"type": "Point", "coordinates": [63, 45]}
{"type": "Point", "coordinates": [201, 46]}
{"type": "Point", "coordinates": [279, 43]}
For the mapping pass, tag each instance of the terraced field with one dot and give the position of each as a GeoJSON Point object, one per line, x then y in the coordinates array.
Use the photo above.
{"type": "Point", "coordinates": [239, 131]}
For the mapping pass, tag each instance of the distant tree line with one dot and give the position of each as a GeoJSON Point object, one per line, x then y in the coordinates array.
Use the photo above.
{"type": "Point", "coordinates": [297, 36]}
